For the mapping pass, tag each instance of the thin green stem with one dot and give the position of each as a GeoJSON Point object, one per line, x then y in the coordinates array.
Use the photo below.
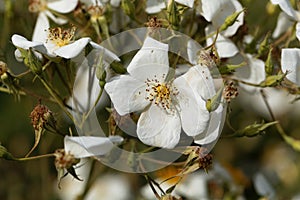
{"type": "Point", "coordinates": [56, 97]}
{"type": "Point", "coordinates": [35, 157]}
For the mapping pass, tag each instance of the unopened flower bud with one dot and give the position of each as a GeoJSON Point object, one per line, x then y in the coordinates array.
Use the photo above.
{"type": "Point", "coordinates": [31, 60]}
{"type": "Point", "coordinates": [264, 46]}
{"type": "Point", "coordinates": [213, 103]}
{"type": "Point", "coordinates": [128, 8]}
{"type": "Point", "coordinates": [5, 154]}
{"type": "Point", "coordinates": [229, 21]}
{"type": "Point", "coordinates": [269, 67]}
{"type": "Point", "coordinates": [272, 81]}
{"type": "Point", "coordinates": [173, 14]}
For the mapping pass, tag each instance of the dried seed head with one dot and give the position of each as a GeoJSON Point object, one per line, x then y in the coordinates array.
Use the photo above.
{"type": "Point", "coordinates": [170, 197]}
{"type": "Point", "coordinates": [37, 6]}
{"type": "Point", "coordinates": [3, 68]}
{"type": "Point", "coordinates": [40, 116]}
{"type": "Point", "coordinates": [205, 158]}
{"type": "Point", "coordinates": [64, 160]}
{"type": "Point", "coordinates": [230, 91]}
{"type": "Point", "coordinates": [154, 23]}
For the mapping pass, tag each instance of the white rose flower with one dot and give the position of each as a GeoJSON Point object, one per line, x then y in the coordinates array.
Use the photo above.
{"type": "Point", "coordinates": [167, 105]}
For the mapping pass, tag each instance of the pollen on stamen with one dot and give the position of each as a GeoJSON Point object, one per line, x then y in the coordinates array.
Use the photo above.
{"type": "Point", "coordinates": [61, 37]}
{"type": "Point", "coordinates": [161, 94]}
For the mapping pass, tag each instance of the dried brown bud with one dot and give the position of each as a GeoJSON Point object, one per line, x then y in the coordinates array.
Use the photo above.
{"type": "Point", "coordinates": [36, 5]}
{"type": "Point", "coordinates": [3, 68]}
{"type": "Point", "coordinates": [64, 160]}
{"type": "Point", "coordinates": [205, 159]}
{"type": "Point", "coordinates": [170, 197]}
{"type": "Point", "coordinates": [154, 23]}
{"type": "Point", "coordinates": [230, 91]}
{"type": "Point", "coordinates": [40, 116]}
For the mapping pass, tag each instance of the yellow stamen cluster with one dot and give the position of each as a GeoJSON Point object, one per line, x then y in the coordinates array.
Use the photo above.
{"type": "Point", "coordinates": [160, 93]}
{"type": "Point", "coordinates": [61, 37]}
{"type": "Point", "coordinates": [37, 6]}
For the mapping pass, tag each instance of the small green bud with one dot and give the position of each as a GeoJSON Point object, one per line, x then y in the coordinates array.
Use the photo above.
{"type": "Point", "coordinates": [213, 103]}
{"type": "Point", "coordinates": [173, 15]}
{"type": "Point", "coordinates": [264, 45]}
{"type": "Point", "coordinates": [31, 61]}
{"type": "Point", "coordinates": [227, 69]}
{"type": "Point", "coordinates": [5, 154]}
{"type": "Point", "coordinates": [229, 21]}
{"type": "Point", "coordinates": [269, 64]}
{"type": "Point", "coordinates": [104, 27]}
{"type": "Point", "coordinates": [128, 8]}
{"type": "Point", "coordinates": [253, 129]}
{"type": "Point", "coordinates": [272, 81]}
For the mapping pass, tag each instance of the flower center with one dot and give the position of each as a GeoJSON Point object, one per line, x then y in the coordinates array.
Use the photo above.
{"type": "Point", "coordinates": [61, 37]}
{"type": "Point", "coordinates": [37, 6]}
{"type": "Point", "coordinates": [161, 93]}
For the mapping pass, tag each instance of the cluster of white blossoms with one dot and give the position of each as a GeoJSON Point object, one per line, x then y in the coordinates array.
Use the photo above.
{"type": "Point", "coordinates": [170, 100]}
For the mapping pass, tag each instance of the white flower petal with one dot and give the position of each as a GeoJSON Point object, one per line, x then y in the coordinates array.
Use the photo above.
{"type": "Point", "coordinates": [193, 113]}
{"type": "Point", "coordinates": [188, 3]}
{"type": "Point", "coordinates": [231, 30]}
{"type": "Point", "coordinates": [263, 187]}
{"type": "Point", "coordinates": [211, 8]}
{"type": "Point", "coordinates": [225, 47]}
{"type": "Point", "coordinates": [41, 26]}
{"type": "Point", "coordinates": [298, 31]}
{"type": "Point", "coordinates": [115, 3]}
{"type": "Point", "coordinates": [290, 61]}
{"type": "Point", "coordinates": [108, 55]}
{"type": "Point", "coordinates": [87, 146]}
{"type": "Point", "coordinates": [153, 53]}
{"type": "Point", "coordinates": [22, 42]}
{"type": "Point", "coordinates": [283, 23]}
{"type": "Point", "coordinates": [73, 49]}
{"type": "Point", "coordinates": [157, 128]}
{"type": "Point", "coordinates": [213, 131]}
{"type": "Point", "coordinates": [86, 89]}
{"type": "Point", "coordinates": [286, 7]}
{"type": "Point", "coordinates": [127, 94]}
{"type": "Point", "coordinates": [62, 6]}
{"type": "Point", "coordinates": [57, 20]}
{"type": "Point", "coordinates": [254, 72]}
{"type": "Point", "coordinates": [155, 6]}
{"type": "Point", "coordinates": [192, 50]}
{"type": "Point", "coordinates": [18, 55]}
